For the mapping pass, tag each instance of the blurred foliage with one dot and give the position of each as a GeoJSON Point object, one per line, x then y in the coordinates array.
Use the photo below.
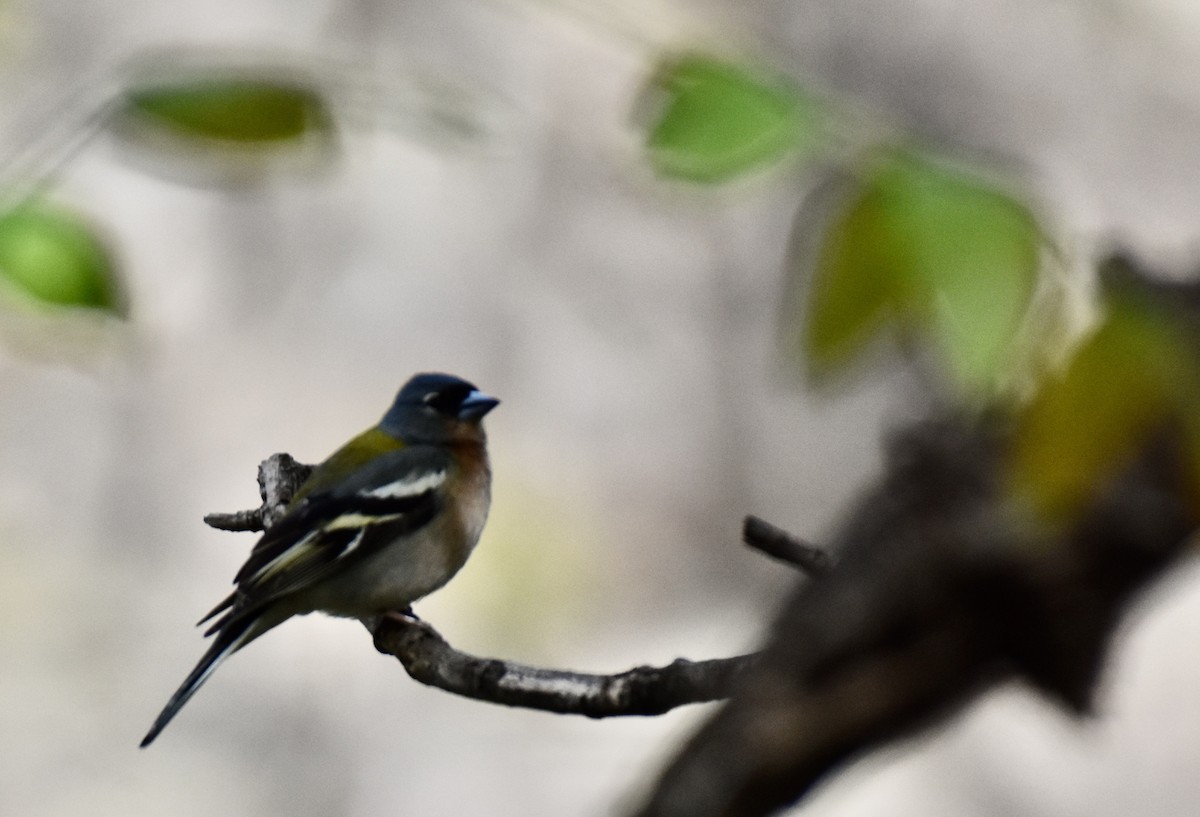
{"type": "Point", "coordinates": [933, 251]}
{"type": "Point", "coordinates": [53, 257]}
{"type": "Point", "coordinates": [936, 253]}
{"type": "Point", "coordinates": [225, 126]}
{"type": "Point", "coordinates": [1136, 376]}
{"type": "Point", "coordinates": [718, 120]}
{"type": "Point", "coordinates": [237, 110]}
{"type": "Point", "coordinates": [950, 262]}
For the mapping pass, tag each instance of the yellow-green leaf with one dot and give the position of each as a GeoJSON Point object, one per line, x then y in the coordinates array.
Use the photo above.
{"type": "Point", "coordinates": [243, 111]}
{"type": "Point", "coordinates": [53, 257]}
{"type": "Point", "coordinates": [718, 119]}
{"type": "Point", "coordinates": [856, 288]}
{"type": "Point", "coordinates": [1135, 376]}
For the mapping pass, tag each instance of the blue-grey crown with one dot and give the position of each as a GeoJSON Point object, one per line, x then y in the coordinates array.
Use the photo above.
{"type": "Point", "coordinates": [446, 395]}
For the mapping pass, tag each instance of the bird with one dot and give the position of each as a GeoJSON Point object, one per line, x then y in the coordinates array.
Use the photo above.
{"type": "Point", "coordinates": [387, 519]}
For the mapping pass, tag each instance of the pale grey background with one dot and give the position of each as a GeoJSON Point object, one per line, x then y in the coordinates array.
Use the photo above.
{"type": "Point", "coordinates": [630, 327]}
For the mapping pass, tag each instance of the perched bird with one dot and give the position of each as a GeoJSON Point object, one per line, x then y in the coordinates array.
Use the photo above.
{"type": "Point", "coordinates": [390, 517]}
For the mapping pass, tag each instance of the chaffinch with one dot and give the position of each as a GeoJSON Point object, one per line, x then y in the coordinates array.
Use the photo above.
{"type": "Point", "coordinates": [390, 517]}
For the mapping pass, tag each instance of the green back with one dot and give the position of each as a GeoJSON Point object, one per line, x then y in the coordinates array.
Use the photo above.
{"type": "Point", "coordinates": [347, 459]}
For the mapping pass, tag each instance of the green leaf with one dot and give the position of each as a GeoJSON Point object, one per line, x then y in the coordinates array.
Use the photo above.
{"type": "Point", "coordinates": [856, 287]}
{"type": "Point", "coordinates": [53, 257]}
{"type": "Point", "coordinates": [719, 120]}
{"type": "Point", "coordinates": [242, 111]}
{"type": "Point", "coordinates": [974, 252]}
{"type": "Point", "coordinates": [934, 251]}
{"type": "Point", "coordinates": [1137, 375]}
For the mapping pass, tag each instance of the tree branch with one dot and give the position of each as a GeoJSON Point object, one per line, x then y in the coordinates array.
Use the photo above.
{"type": "Point", "coordinates": [942, 589]}
{"type": "Point", "coordinates": [640, 691]}
{"type": "Point", "coordinates": [279, 477]}
{"type": "Point", "coordinates": [779, 544]}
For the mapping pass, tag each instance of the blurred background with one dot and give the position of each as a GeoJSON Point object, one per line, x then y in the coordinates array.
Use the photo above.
{"type": "Point", "coordinates": [475, 197]}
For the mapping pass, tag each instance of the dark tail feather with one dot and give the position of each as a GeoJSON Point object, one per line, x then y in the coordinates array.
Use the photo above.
{"type": "Point", "coordinates": [228, 642]}
{"type": "Point", "coordinates": [225, 604]}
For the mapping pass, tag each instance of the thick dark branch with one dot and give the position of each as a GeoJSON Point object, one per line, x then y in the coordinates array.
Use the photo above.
{"type": "Point", "coordinates": [942, 587]}
{"type": "Point", "coordinates": [639, 691]}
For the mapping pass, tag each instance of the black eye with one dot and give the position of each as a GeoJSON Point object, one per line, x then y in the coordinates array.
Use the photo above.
{"type": "Point", "coordinates": [447, 400]}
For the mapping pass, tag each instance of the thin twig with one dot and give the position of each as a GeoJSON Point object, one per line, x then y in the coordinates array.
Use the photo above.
{"type": "Point", "coordinates": [237, 522]}
{"type": "Point", "coordinates": [779, 544]}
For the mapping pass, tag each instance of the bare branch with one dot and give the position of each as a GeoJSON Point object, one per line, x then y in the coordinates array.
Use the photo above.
{"type": "Point", "coordinates": [640, 691]}
{"type": "Point", "coordinates": [779, 544]}
{"type": "Point", "coordinates": [279, 477]}
{"type": "Point", "coordinates": [236, 522]}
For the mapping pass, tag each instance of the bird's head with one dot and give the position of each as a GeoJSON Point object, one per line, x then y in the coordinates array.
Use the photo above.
{"type": "Point", "coordinates": [435, 408]}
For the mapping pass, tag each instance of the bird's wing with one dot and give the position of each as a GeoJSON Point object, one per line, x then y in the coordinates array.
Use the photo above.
{"type": "Point", "coordinates": [328, 530]}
